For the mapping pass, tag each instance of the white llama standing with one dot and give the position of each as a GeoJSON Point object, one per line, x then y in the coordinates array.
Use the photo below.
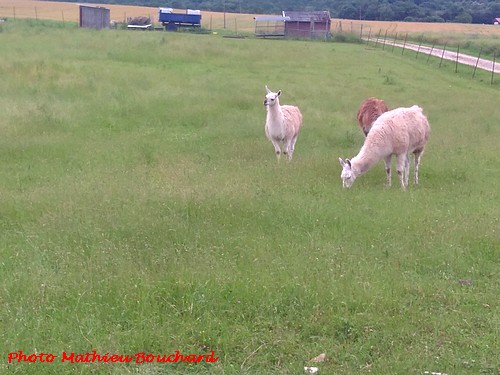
{"type": "Point", "coordinates": [398, 132]}
{"type": "Point", "coordinates": [283, 123]}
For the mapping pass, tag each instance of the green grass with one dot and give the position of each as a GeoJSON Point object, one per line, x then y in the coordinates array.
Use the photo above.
{"type": "Point", "coordinates": [142, 208]}
{"type": "Point", "coordinates": [472, 44]}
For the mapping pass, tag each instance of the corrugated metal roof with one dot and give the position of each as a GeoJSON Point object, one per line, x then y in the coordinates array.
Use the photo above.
{"type": "Point", "coordinates": [316, 16]}
{"type": "Point", "coordinates": [271, 18]}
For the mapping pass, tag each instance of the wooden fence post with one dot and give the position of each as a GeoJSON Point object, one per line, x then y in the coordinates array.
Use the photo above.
{"type": "Point", "coordinates": [404, 44]}
{"type": "Point", "coordinates": [493, 67]}
{"type": "Point", "coordinates": [477, 62]}
{"type": "Point", "coordinates": [430, 53]}
{"type": "Point", "coordinates": [378, 36]}
{"type": "Point", "coordinates": [419, 45]}
{"type": "Point", "coordinates": [444, 50]}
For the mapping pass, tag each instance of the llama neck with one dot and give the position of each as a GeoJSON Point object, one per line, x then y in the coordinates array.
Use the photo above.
{"type": "Point", "coordinates": [275, 122]}
{"type": "Point", "coordinates": [275, 113]}
{"type": "Point", "coordinates": [363, 161]}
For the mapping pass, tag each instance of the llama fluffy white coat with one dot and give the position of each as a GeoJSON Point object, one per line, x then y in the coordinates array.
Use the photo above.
{"type": "Point", "coordinates": [368, 112]}
{"type": "Point", "coordinates": [283, 123]}
{"type": "Point", "coordinates": [398, 132]}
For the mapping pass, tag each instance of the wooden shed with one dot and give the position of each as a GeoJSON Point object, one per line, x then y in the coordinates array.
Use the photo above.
{"type": "Point", "coordinates": [94, 17]}
{"type": "Point", "coordinates": [314, 24]}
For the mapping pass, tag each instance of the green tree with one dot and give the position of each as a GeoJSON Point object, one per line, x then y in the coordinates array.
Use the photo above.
{"type": "Point", "coordinates": [349, 11]}
{"type": "Point", "coordinates": [463, 17]}
{"type": "Point", "coordinates": [385, 12]}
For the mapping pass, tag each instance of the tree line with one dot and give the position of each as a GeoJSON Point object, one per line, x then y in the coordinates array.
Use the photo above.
{"type": "Point", "coordinates": [462, 11]}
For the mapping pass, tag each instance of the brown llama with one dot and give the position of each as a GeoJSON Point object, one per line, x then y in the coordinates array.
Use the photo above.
{"type": "Point", "coordinates": [368, 112]}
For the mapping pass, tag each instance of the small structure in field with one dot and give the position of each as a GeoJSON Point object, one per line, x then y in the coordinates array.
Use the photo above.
{"type": "Point", "coordinates": [496, 21]}
{"type": "Point", "coordinates": [172, 21]}
{"type": "Point", "coordinates": [140, 23]}
{"type": "Point", "coordinates": [314, 25]}
{"type": "Point", "coordinates": [94, 17]}
{"type": "Point", "coordinates": [270, 26]}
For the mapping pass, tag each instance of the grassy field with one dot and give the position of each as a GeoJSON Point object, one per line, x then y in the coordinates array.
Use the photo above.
{"type": "Point", "coordinates": [470, 38]}
{"type": "Point", "coordinates": [142, 209]}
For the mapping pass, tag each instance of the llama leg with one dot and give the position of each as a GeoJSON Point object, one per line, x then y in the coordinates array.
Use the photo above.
{"type": "Point", "coordinates": [291, 147]}
{"type": "Point", "coordinates": [407, 169]}
{"type": "Point", "coordinates": [387, 161]}
{"type": "Point", "coordinates": [401, 162]}
{"type": "Point", "coordinates": [418, 155]}
{"type": "Point", "coordinates": [277, 148]}
{"type": "Point", "coordinates": [287, 149]}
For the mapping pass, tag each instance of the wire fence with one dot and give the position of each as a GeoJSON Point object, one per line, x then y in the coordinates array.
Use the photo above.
{"type": "Point", "coordinates": [65, 13]}
{"type": "Point", "coordinates": [442, 55]}
{"type": "Point", "coordinates": [387, 39]}
{"type": "Point", "coordinates": [69, 12]}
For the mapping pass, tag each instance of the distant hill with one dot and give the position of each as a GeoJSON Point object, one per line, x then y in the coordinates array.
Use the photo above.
{"type": "Point", "coordinates": [464, 11]}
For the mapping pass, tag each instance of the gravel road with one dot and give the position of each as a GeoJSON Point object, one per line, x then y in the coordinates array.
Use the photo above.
{"type": "Point", "coordinates": [451, 55]}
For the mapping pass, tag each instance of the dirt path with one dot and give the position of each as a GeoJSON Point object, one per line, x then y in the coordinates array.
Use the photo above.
{"type": "Point", "coordinates": [484, 64]}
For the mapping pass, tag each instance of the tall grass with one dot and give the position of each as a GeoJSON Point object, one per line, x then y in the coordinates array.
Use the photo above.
{"type": "Point", "coordinates": [143, 210]}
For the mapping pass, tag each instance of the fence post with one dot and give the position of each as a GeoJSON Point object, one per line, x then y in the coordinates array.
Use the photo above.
{"type": "Point", "coordinates": [493, 67]}
{"type": "Point", "coordinates": [430, 53]}
{"type": "Point", "coordinates": [394, 43]}
{"type": "Point", "coordinates": [404, 44]}
{"type": "Point", "coordinates": [369, 34]}
{"type": "Point", "coordinates": [385, 38]}
{"type": "Point", "coordinates": [378, 36]}
{"type": "Point", "coordinates": [477, 62]}
{"type": "Point", "coordinates": [361, 33]}
{"type": "Point", "coordinates": [456, 62]}
{"type": "Point", "coordinates": [442, 55]}
{"type": "Point", "coordinates": [419, 45]}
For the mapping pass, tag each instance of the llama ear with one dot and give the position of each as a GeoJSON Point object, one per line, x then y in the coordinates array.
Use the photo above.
{"type": "Point", "coordinates": [278, 93]}
{"type": "Point", "coordinates": [348, 162]}
{"type": "Point", "coordinates": [267, 90]}
{"type": "Point", "coordinates": [341, 162]}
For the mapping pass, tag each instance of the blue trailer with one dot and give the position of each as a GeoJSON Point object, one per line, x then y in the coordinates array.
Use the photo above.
{"type": "Point", "coordinates": [172, 21]}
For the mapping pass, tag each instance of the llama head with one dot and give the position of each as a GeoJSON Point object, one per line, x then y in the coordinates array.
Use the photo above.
{"type": "Point", "coordinates": [271, 97]}
{"type": "Point", "coordinates": [347, 176]}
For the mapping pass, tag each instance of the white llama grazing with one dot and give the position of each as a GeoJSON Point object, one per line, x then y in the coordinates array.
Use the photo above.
{"type": "Point", "coordinates": [398, 132]}
{"type": "Point", "coordinates": [368, 112]}
{"type": "Point", "coordinates": [283, 123]}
